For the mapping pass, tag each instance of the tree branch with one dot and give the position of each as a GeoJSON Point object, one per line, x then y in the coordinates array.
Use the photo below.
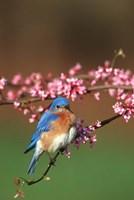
{"type": "Point", "coordinates": [103, 87]}
{"type": "Point", "coordinates": [88, 90]}
{"type": "Point", "coordinates": [51, 163]}
{"type": "Point", "coordinates": [107, 121]}
{"type": "Point", "coordinates": [11, 102]}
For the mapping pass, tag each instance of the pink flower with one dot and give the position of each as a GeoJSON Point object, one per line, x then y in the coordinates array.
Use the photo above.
{"type": "Point", "coordinates": [26, 111]}
{"type": "Point", "coordinates": [67, 152]}
{"type": "Point", "coordinates": [40, 109]}
{"type": "Point", "coordinates": [11, 95]}
{"type": "Point", "coordinates": [118, 108]}
{"type": "Point", "coordinates": [91, 128]}
{"type": "Point", "coordinates": [16, 105]}
{"type": "Point", "coordinates": [2, 83]}
{"type": "Point", "coordinates": [43, 94]}
{"type": "Point", "coordinates": [107, 65]}
{"type": "Point", "coordinates": [112, 92]}
{"type": "Point", "coordinates": [17, 79]}
{"type": "Point", "coordinates": [28, 81]}
{"type": "Point", "coordinates": [127, 116]}
{"type": "Point", "coordinates": [63, 76]}
{"type": "Point", "coordinates": [49, 75]}
{"type": "Point", "coordinates": [32, 118]}
{"type": "Point", "coordinates": [93, 139]}
{"type": "Point", "coordinates": [75, 69]}
{"type": "Point", "coordinates": [93, 82]}
{"type": "Point", "coordinates": [75, 86]}
{"type": "Point", "coordinates": [33, 92]}
{"type": "Point", "coordinates": [36, 77]}
{"type": "Point", "coordinates": [123, 96]}
{"type": "Point", "coordinates": [132, 100]}
{"type": "Point", "coordinates": [84, 133]}
{"type": "Point", "coordinates": [97, 96]}
{"type": "Point", "coordinates": [98, 123]}
{"type": "Point", "coordinates": [69, 87]}
{"type": "Point", "coordinates": [127, 111]}
{"type": "Point", "coordinates": [91, 73]}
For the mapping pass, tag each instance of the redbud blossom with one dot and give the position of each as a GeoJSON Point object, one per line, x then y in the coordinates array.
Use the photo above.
{"type": "Point", "coordinates": [17, 79]}
{"type": "Point", "coordinates": [2, 83]}
{"type": "Point", "coordinates": [32, 118]}
{"type": "Point", "coordinates": [75, 69]}
{"type": "Point", "coordinates": [11, 95]}
{"type": "Point", "coordinates": [16, 105]}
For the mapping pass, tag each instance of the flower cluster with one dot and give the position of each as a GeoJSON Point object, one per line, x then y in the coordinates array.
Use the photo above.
{"type": "Point", "coordinates": [84, 134]}
{"type": "Point", "coordinates": [119, 84]}
{"type": "Point", "coordinates": [37, 86]}
{"type": "Point", "coordinates": [127, 110]}
{"type": "Point", "coordinates": [69, 87]}
{"type": "Point", "coordinates": [22, 92]}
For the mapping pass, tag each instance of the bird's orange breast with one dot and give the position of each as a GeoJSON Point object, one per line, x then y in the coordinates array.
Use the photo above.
{"type": "Point", "coordinates": [60, 129]}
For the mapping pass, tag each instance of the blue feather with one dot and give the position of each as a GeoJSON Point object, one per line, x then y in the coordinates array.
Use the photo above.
{"type": "Point", "coordinates": [44, 125]}
{"type": "Point", "coordinates": [33, 162]}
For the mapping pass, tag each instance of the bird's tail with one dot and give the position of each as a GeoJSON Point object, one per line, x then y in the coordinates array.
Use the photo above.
{"type": "Point", "coordinates": [33, 162]}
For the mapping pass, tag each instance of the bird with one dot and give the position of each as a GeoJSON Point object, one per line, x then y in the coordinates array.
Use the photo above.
{"type": "Point", "coordinates": [56, 129]}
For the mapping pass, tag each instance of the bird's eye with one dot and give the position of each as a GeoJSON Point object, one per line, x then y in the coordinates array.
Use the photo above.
{"type": "Point", "coordinates": [57, 106]}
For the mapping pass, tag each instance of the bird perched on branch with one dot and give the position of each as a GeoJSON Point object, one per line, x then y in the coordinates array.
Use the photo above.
{"type": "Point", "coordinates": [55, 131]}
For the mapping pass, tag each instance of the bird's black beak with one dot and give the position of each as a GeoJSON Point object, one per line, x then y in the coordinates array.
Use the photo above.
{"type": "Point", "coordinates": [68, 108]}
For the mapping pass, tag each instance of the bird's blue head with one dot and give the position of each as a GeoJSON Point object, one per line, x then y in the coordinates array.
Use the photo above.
{"type": "Point", "coordinates": [59, 103]}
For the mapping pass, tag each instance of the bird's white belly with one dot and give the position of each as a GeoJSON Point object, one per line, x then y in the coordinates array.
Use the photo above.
{"type": "Point", "coordinates": [62, 140]}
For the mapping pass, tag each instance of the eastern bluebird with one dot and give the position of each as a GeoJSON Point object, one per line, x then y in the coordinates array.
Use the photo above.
{"type": "Point", "coordinates": [55, 130]}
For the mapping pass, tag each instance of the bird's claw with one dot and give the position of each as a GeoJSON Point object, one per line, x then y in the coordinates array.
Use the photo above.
{"type": "Point", "coordinates": [52, 161]}
{"type": "Point", "coordinates": [62, 151]}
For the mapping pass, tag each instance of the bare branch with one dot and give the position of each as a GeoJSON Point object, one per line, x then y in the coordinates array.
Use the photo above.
{"type": "Point", "coordinates": [104, 87]}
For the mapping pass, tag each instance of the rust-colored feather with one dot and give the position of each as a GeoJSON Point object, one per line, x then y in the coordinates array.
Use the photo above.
{"type": "Point", "coordinates": [59, 130]}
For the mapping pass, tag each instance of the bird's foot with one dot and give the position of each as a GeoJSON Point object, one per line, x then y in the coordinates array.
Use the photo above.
{"type": "Point", "coordinates": [62, 151]}
{"type": "Point", "coordinates": [52, 161]}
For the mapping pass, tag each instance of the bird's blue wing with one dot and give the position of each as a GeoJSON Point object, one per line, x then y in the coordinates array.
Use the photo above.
{"type": "Point", "coordinates": [44, 125]}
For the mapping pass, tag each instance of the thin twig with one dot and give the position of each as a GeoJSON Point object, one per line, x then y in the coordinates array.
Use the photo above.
{"type": "Point", "coordinates": [31, 182]}
{"type": "Point", "coordinates": [117, 54]}
{"type": "Point", "coordinates": [104, 87]}
{"type": "Point", "coordinates": [106, 121]}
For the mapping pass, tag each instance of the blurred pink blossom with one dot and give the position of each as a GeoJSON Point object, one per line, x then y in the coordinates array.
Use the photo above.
{"type": "Point", "coordinates": [11, 95]}
{"type": "Point", "coordinates": [17, 79]}
{"type": "Point", "coordinates": [75, 69]}
{"type": "Point", "coordinates": [16, 104]}
{"type": "Point", "coordinates": [67, 152]}
{"type": "Point", "coordinates": [2, 83]}
{"type": "Point", "coordinates": [32, 118]}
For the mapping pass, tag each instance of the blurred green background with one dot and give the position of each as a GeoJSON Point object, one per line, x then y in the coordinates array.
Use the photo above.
{"type": "Point", "coordinates": [51, 36]}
